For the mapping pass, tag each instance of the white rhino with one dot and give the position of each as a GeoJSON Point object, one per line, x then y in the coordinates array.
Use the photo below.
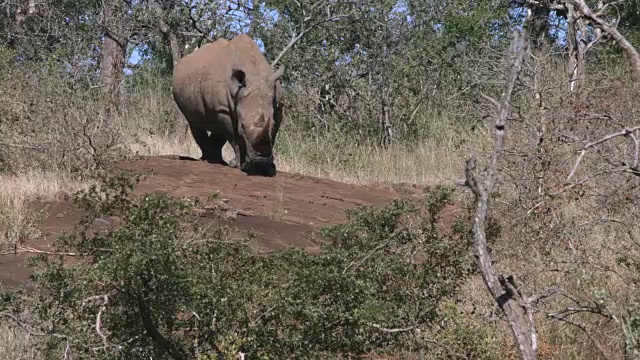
{"type": "Point", "coordinates": [228, 89]}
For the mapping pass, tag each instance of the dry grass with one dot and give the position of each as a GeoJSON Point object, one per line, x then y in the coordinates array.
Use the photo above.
{"type": "Point", "coordinates": [427, 163]}
{"type": "Point", "coordinates": [15, 344]}
{"type": "Point", "coordinates": [18, 220]}
{"type": "Point", "coordinates": [424, 164]}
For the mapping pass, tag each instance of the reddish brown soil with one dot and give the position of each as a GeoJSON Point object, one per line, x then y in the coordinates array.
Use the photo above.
{"type": "Point", "coordinates": [282, 210]}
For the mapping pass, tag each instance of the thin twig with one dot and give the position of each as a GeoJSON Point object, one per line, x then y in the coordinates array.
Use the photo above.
{"type": "Point", "coordinates": [304, 29]}
{"type": "Point", "coordinates": [583, 329]}
{"type": "Point", "coordinates": [546, 294]}
{"type": "Point", "coordinates": [21, 324]}
{"type": "Point", "coordinates": [623, 132]}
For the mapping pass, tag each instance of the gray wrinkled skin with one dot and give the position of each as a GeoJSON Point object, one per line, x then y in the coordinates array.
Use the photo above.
{"type": "Point", "coordinates": [228, 92]}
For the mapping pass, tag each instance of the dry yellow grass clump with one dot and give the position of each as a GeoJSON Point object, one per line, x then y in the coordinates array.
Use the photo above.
{"type": "Point", "coordinates": [15, 343]}
{"type": "Point", "coordinates": [19, 220]}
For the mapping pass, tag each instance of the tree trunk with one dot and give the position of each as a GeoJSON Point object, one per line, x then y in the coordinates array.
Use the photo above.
{"type": "Point", "coordinates": [504, 290]}
{"type": "Point", "coordinates": [539, 26]}
{"type": "Point", "coordinates": [576, 47]}
{"type": "Point", "coordinates": [170, 37]}
{"type": "Point", "coordinates": [176, 49]}
{"type": "Point", "coordinates": [114, 49]}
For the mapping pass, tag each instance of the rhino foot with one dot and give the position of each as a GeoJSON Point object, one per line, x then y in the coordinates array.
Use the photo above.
{"type": "Point", "coordinates": [268, 169]}
{"type": "Point", "coordinates": [234, 163]}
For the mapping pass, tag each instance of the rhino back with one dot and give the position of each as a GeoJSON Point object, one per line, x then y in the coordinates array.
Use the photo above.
{"type": "Point", "coordinates": [200, 83]}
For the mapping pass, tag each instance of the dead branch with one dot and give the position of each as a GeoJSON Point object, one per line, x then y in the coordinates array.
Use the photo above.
{"type": "Point", "coordinates": [22, 325]}
{"type": "Point", "coordinates": [410, 328]}
{"type": "Point", "coordinates": [546, 294]}
{"type": "Point", "coordinates": [597, 21]}
{"type": "Point", "coordinates": [503, 290]}
{"type": "Point", "coordinates": [98, 325]}
{"type": "Point", "coordinates": [26, 249]}
{"type": "Point", "coordinates": [589, 178]}
{"type": "Point", "coordinates": [395, 330]}
{"type": "Point", "coordinates": [376, 249]}
{"type": "Point", "coordinates": [67, 350]}
{"type": "Point", "coordinates": [623, 132]}
{"type": "Point", "coordinates": [636, 153]}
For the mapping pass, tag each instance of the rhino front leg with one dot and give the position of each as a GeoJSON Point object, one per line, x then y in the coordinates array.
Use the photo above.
{"type": "Point", "coordinates": [210, 152]}
{"type": "Point", "coordinates": [217, 143]}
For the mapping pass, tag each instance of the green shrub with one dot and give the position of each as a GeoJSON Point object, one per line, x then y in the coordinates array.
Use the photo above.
{"type": "Point", "coordinates": [162, 285]}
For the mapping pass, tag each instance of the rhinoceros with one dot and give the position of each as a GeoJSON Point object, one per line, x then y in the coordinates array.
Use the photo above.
{"type": "Point", "coordinates": [228, 89]}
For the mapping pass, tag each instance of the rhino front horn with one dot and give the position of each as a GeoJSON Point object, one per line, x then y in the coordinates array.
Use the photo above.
{"type": "Point", "coordinates": [277, 74]}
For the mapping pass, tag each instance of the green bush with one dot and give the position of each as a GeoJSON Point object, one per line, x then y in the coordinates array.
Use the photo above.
{"type": "Point", "coordinates": [161, 284]}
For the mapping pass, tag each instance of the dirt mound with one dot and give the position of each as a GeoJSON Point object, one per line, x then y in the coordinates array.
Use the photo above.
{"type": "Point", "coordinates": [282, 210]}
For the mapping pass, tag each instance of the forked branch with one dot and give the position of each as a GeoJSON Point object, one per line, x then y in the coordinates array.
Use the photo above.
{"type": "Point", "coordinates": [598, 22]}
{"type": "Point", "coordinates": [624, 132]}
{"type": "Point", "coordinates": [504, 290]}
{"type": "Point", "coordinates": [308, 23]}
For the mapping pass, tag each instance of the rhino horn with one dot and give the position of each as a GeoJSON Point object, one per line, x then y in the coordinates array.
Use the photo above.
{"type": "Point", "coordinates": [265, 131]}
{"type": "Point", "coordinates": [277, 74]}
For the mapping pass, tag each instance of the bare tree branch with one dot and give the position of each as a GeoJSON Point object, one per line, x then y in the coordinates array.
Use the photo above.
{"type": "Point", "coordinates": [546, 294]}
{"type": "Point", "coordinates": [22, 325]}
{"type": "Point", "coordinates": [395, 330]}
{"type": "Point", "coordinates": [636, 153]}
{"type": "Point", "coordinates": [372, 252]}
{"type": "Point", "coordinates": [98, 325]}
{"type": "Point", "coordinates": [623, 132]}
{"type": "Point", "coordinates": [26, 249]}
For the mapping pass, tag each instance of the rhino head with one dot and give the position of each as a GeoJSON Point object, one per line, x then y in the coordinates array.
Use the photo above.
{"type": "Point", "coordinates": [257, 99]}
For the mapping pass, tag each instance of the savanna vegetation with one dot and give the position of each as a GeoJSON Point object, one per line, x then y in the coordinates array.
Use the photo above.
{"type": "Point", "coordinates": [413, 91]}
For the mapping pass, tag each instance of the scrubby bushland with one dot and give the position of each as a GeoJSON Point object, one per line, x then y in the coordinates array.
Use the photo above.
{"type": "Point", "coordinates": [566, 199]}
{"type": "Point", "coordinates": [390, 91]}
{"type": "Point", "coordinates": [160, 283]}
{"type": "Point", "coordinates": [51, 119]}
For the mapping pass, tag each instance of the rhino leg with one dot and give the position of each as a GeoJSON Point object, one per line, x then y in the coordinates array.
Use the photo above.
{"type": "Point", "coordinates": [235, 162]}
{"type": "Point", "coordinates": [206, 145]}
{"type": "Point", "coordinates": [217, 143]}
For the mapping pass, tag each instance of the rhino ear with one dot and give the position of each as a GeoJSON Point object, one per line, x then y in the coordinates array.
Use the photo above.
{"type": "Point", "coordinates": [238, 81]}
